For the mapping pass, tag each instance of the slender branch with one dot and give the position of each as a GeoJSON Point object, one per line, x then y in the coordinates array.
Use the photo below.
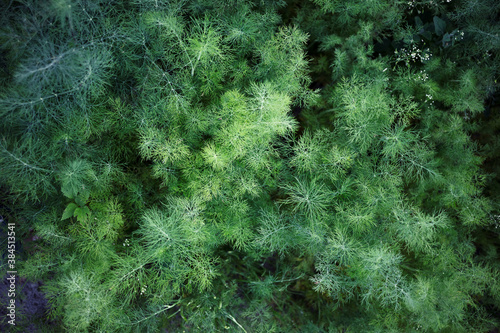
{"type": "Point", "coordinates": [198, 58]}
{"type": "Point", "coordinates": [275, 231]}
{"type": "Point", "coordinates": [234, 320]}
{"type": "Point", "coordinates": [294, 279]}
{"type": "Point", "coordinates": [165, 308]}
{"type": "Point", "coordinates": [33, 71]}
{"type": "Point", "coordinates": [55, 235]}
{"type": "Point", "coordinates": [24, 163]}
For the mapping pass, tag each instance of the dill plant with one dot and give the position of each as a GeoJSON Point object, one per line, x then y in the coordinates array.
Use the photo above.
{"type": "Point", "coordinates": [181, 170]}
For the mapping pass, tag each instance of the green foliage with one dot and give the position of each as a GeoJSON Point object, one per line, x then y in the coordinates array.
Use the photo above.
{"type": "Point", "coordinates": [308, 198]}
{"type": "Point", "coordinates": [253, 166]}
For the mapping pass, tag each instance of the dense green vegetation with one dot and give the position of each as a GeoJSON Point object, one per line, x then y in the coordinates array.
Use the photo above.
{"type": "Point", "coordinates": [254, 166]}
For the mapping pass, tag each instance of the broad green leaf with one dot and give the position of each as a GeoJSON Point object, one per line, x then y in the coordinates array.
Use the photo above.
{"type": "Point", "coordinates": [427, 35]}
{"type": "Point", "coordinates": [81, 212]}
{"type": "Point", "coordinates": [439, 26]}
{"type": "Point", "coordinates": [69, 211]}
{"type": "Point", "coordinates": [418, 22]}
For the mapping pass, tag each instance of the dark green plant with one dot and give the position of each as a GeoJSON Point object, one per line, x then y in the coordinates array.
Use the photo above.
{"type": "Point", "coordinates": [181, 170]}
